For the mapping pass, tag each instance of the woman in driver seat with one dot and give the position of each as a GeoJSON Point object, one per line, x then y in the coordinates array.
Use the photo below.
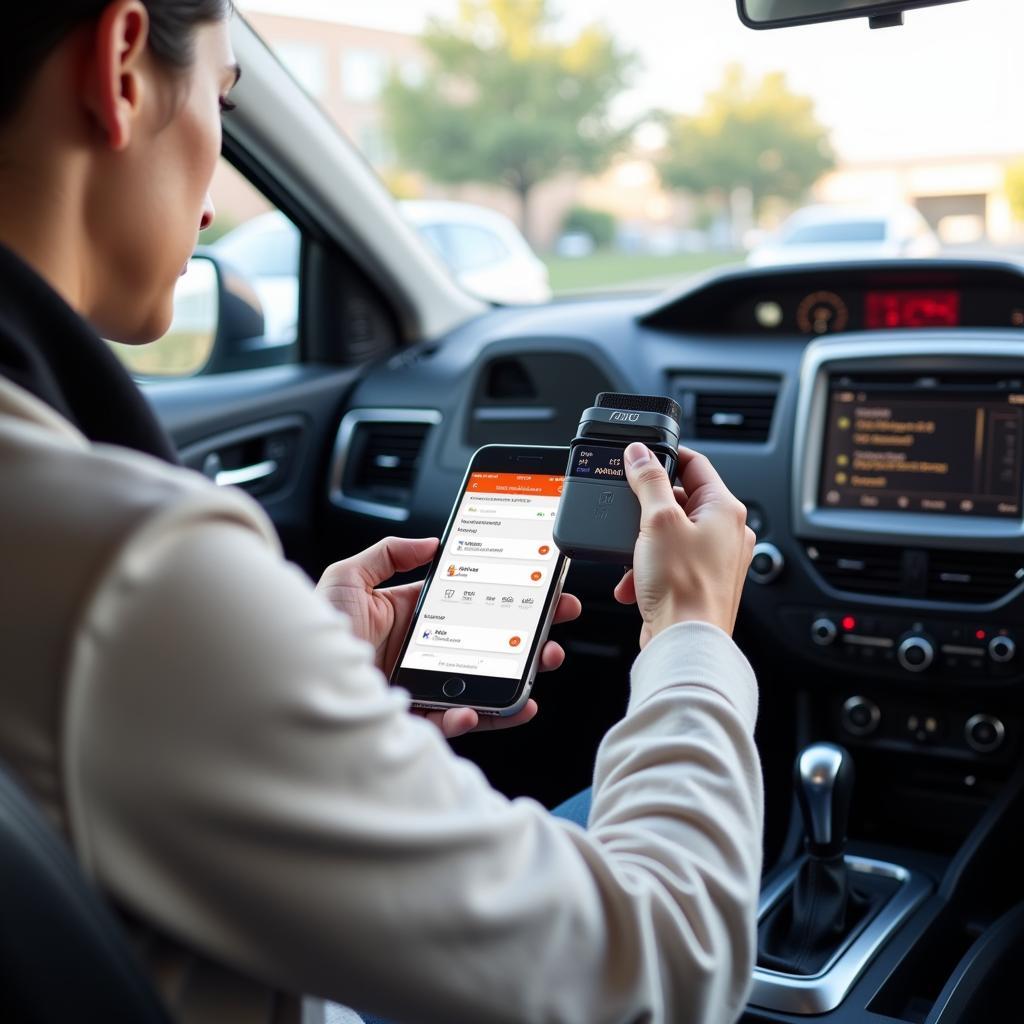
{"type": "Point", "coordinates": [215, 737]}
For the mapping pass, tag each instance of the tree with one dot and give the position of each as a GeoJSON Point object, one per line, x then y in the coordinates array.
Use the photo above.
{"type": "Point", "coordinates": [1014, 185]}
{"type": "Point", "coordinates": [757, 136]}
{"type": "Point", "coordinates": [507, 102]}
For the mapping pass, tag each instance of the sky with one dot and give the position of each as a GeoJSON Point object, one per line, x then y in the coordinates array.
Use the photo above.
{"type": "Point", "coordinates": [949, 82]}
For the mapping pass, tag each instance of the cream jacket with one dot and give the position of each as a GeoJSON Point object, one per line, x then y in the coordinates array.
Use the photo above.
{"type": "Point", "coordinates": [232, 769]}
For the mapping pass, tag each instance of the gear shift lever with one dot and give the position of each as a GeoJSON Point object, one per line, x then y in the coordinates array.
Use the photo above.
{"type": "Point", "coordinates": [804, 930]}
{"type": "Point", "coordinates": [824, 776]}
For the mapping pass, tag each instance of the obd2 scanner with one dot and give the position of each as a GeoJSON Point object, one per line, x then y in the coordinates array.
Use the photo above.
{"type": "Point", "coordinates": [599, 515]}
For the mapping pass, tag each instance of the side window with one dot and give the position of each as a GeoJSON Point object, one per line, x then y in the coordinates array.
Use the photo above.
{"type": "Point", "coordinates": [259, 248]}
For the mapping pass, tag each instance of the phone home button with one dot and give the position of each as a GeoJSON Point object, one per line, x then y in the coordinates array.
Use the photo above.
{"type": "Point", "coordinates": [454, 687]}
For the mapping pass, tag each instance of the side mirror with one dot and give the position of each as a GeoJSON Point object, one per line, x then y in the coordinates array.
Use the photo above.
{"type": "Point", "coordinates": [240, 342]}
{"type": "Point", "coordinates": [219, 325]}
{"type": "Point", "coordinates": [783, 13]}
{"type": "Point", "coordinates": [191, 340]}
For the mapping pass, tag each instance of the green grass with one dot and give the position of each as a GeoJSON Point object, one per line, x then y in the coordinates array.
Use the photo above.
{"type": "Point", "coordinates": [607, 267]}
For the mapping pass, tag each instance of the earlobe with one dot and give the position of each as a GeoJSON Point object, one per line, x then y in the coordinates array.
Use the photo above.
{"type": "Point", "coordinates": [114, 88]}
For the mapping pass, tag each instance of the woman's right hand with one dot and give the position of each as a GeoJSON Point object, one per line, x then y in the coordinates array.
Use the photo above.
{"type": "Point", "coordinates": [694, 547]}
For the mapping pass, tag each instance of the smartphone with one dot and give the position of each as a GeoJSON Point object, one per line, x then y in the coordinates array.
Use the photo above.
{"type": "Point", "coordinates": [490, 593]}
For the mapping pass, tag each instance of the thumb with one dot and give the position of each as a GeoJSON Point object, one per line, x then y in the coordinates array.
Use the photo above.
{"type": "Point", "coordinates": [650, 483]}
{"type": "Point", "coordinates": [390, 555]}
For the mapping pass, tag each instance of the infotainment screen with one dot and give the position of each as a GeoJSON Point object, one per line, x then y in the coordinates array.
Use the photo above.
{"type": "Point", "coordinates": [946, 445]}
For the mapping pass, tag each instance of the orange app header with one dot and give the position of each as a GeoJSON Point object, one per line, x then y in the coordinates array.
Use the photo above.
{"type": "Point", "coordinates": [534, 485]}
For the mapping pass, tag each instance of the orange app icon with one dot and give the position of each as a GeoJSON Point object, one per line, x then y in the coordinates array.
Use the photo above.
{"type": "Point", "coordinates": [451, 570]}
{"type": "Point", "coordinates": [514, 641]}
{"type": "Point", "coordinates": [543, 549]}
{"type": "Point", "coordinates": [535, 576]}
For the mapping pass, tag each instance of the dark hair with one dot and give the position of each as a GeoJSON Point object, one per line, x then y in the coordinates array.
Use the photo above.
{"type": "Point", "coordinates": [33, 30]}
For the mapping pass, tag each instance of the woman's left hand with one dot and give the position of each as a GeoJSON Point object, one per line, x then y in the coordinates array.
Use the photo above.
{"type": "Point", "coordinates": [382, 617]}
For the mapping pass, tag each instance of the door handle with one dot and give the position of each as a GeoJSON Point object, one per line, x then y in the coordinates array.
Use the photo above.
{"type": "Point", "coordinates": [245, 474]}
{"type": "Point", "coordinates": [260, 457]}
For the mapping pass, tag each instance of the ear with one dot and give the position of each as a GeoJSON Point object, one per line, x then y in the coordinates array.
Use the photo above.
{"type": "Point", "coordinates": [114, 84]}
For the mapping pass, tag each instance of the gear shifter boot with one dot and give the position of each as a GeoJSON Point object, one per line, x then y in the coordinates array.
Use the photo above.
{"type": "Point", "coordinates": [804, 930]}
{"type": "Point", "coordinates": [808, 925]}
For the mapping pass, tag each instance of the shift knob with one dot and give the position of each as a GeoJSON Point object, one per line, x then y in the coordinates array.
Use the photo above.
{"type": "Point", "coordinates": [823, 775]}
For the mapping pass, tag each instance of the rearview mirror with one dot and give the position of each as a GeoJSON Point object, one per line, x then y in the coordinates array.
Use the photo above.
{"type": "Point", "coordinates": [780, 13]}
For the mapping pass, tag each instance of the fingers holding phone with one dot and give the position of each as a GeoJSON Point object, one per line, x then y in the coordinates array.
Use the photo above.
{"type": "Point", "coordinates": [693, 549]}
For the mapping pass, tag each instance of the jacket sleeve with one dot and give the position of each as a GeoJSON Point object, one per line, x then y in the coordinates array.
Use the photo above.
{"type": "Point", "coordinates": [240, 774]}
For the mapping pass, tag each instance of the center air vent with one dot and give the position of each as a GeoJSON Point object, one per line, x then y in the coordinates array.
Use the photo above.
{"type": "Point", "coordinates": [963, 577]}
{"type": "Point", "coordinates": [857, 567]}
{"type": "Point", "coordinates": [972, 578]}
{"type": "Point", "coordinates": [376, 459]}
{"type": "Point", "coordinates": [726, 409]}
{"type": "Point", "coordinates": [734, 417]}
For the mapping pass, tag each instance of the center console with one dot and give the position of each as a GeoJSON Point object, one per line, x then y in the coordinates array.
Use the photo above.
{"type": "Point", "coordinates": [898, 591]}
{"type": "Point", "coordinates": [907, 483]}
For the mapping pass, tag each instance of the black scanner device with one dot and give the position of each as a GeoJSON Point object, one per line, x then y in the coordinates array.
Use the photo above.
{"type": "Point", "coordinates": [599, 515]}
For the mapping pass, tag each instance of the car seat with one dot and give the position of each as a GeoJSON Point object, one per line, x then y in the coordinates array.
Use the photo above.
{"type": "Point", "coordinates": [64, 957]}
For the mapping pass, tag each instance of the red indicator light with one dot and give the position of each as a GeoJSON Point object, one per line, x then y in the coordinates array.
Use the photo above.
{"type": "Point", "coordinates": [979, 634]}
{"type": "Point", "coordinates": [849, 622]}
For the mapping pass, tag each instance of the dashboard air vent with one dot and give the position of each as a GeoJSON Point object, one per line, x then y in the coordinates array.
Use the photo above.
{"type": "Point", "coordinates": [972, 577]}
{"type": "Point", "coordinates": [376, 459]}
{"type": "Point", "coordinates": [963, 577]}
{"type": "Point", "coordinates": [859, 568]}
{"type": "Point", "coordinates": [733, 417]}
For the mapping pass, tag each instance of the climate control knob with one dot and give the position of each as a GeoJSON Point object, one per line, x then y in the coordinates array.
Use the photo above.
{"type": "Point", "coordinates": [1001, 649]}
{"type": "Point", "coordinates": [984, 733]}
{"type": "Point", "coordinates": [824, 632]}
{"type": "Point", "coordinates": [915, 653]}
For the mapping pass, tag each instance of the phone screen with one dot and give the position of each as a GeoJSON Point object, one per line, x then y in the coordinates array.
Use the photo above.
{"type": "Point", "coordinates": [486, 599]}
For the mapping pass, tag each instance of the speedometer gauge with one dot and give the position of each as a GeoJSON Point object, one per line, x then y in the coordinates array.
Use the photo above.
{"type": "Point", "coordinates": [822, 313]}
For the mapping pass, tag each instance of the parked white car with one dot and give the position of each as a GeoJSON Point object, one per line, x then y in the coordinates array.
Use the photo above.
{"type": "Point", "coordinates": [482, 249]}
{"type": "Point", "coordinates": [821, 234]}
{"type": "Point", "coordinates": [265, 250]}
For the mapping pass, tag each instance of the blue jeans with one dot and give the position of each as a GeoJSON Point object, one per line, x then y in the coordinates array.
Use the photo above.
{"type": "Point", "coordinates": [576, 808]}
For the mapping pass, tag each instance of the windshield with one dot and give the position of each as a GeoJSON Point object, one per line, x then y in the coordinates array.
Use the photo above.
{"type": "Point", "coordinates": [629, 145]}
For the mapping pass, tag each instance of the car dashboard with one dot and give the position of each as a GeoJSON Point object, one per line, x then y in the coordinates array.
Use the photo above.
{"type": "Point", "coordinates": [871, 417]}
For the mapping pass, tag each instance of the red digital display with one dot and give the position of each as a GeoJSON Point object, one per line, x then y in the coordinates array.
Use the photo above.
{"type": "Point", "coordinates": [912, 309]}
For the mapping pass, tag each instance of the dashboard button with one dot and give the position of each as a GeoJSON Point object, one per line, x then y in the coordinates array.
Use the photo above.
{"type": "Point", "coordinates": [860, 716]}
{"type": "Point", "coordinates": [766, 564]}
{"type": "Point", "coordinates": [915, 653]}
{"type": "Point", "coordinates": [824, 632]}
{"type": "Point", "coordinates": [923, 728]}
{"type": "Point", "coordinates": [984, 733]}
{"type": "Point", "coordinates": [454, 687]}
{"type": "Point", "coordinates": [1001, 649]}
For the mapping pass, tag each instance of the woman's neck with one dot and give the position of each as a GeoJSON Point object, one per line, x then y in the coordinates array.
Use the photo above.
{"type": "Point", "coordinates": [41, 221]}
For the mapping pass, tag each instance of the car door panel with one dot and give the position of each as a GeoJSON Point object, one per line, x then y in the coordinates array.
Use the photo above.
{"type": "Point", "coordinates": [237, 424]}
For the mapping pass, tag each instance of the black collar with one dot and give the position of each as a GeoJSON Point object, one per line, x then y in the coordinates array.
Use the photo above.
{"type": "Point", "coordinates": [48, 349]}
